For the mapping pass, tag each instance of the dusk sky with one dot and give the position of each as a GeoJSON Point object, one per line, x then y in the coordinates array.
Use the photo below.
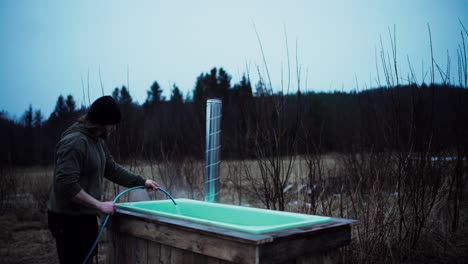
{"type": "Point", "coordinates": [48, 47]}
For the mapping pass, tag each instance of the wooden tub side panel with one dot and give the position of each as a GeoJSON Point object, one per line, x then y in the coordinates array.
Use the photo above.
{"type": "Point", "coordinates": [307, 249]}
{"type": "Point", "coordinates": [137, 241]}
{"type": "Point", "coordinates": [131, 250]}
{"type": "Point", "coordinates": [134, 239]}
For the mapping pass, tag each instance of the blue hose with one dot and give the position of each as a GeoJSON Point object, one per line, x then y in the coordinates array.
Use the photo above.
{"type": "Point", "coordinates": [107, 217]}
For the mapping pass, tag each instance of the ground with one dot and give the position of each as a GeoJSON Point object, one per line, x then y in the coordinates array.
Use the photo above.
{"type": "Point", "coordinates": [27, 241]}
{"type": "Point", "coordinates": [25, 238]}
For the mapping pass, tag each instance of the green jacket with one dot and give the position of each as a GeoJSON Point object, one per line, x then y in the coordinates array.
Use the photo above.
{"type": "Point", "coordinates": [82, 160]}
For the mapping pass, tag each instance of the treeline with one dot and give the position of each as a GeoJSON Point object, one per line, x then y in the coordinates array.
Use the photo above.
{"type": "Point", "coordinates": [297, 124]}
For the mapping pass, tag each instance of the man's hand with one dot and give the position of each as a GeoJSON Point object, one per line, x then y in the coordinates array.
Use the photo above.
{"type": "Point", "coordinates": [151, 185]}
{"type": "Point", "coordinates": [107, 207]}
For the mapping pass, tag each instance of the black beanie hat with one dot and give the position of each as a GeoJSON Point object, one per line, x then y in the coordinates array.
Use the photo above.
{"type": "Point", "coordinates": [104, 111]}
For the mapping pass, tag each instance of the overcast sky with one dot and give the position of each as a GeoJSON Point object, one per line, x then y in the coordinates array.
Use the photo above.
{"type": "Point", "coordinates": [48, 47]}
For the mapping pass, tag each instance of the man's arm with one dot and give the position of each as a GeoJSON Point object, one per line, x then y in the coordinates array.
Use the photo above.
{"type": "Point", "coordinates": [69, 158]}
{"type": "Point", "coordinates": [116, 173]}
{"type": "Point", "coordinates": [85, 199]}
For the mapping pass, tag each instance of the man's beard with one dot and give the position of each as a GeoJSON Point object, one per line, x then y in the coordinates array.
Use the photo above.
{"type": "Point", "coordinates": [103, 133]}
{"type": "Point", "coordinates": [104, 136]}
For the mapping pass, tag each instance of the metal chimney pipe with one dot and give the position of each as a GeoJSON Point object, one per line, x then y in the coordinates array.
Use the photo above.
{"type": "Point", "coordinates": [213, 150]}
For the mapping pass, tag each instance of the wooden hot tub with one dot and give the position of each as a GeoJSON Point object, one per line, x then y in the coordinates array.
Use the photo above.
{"type": "Point", "coordinates": [139, 235]}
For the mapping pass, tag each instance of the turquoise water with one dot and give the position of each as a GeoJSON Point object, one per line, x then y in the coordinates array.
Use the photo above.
{"type": "Point", "coordinates": [240, 218]}
{"type": "Point", "coordinates": [178, 210]}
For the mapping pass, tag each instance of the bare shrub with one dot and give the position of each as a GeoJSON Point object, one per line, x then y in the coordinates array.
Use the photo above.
{"type": "Point", "coordinates": [8, 187]}
{"type": "Point", "coordinates": [400, 224]}
{"type": "Point", "coordinates": [169, 171]}
{"type": "Point", "coordinates": [192, 173]}
{"type": "Point", "coordinates": [40, 189]}
{"type": "Point", "coordinates": [234, 178]}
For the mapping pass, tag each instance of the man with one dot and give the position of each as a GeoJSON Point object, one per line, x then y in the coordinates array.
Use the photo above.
{"type": "Point", "coordinates": [82, 160]}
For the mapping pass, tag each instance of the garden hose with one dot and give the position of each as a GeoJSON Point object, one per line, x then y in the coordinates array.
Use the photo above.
{"type": "Point", "coordinates": [101, 230]}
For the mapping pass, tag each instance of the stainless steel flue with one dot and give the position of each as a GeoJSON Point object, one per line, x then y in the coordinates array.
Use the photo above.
{"type": "Point", "coordinates": [213, 149]}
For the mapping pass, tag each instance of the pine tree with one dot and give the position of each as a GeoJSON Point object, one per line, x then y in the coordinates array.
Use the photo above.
{"type": "Point", "coordinates": [116, 94]}
{"type": "Point", "coordinates": [59, 110]}
{"type": "Point", "coordinates": [154, 94]}
{"type": "Point", "coordinates": [176, 95]}
{"type": "Point", "coordinates": [28, 117]}
{"type": "Point", "coordinates": [70, 104]}
{"type": "Point", "coordinates": [38, 118]}
{"type": "Point", "coordinates": [125, 97]}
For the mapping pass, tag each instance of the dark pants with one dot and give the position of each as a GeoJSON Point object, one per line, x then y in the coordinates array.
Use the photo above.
{"type": "Point", "coordinates": [74, 236]}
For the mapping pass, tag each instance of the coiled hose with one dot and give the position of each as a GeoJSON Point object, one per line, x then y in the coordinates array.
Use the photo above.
{"type": "Point", "coordinates": [101, 230]}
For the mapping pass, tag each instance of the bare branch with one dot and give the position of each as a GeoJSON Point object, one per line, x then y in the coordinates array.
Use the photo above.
{"type": "Point", "coordinates": [432, 54]}
{"type": "Point", "coordinates": [298, 70]}
{"type": "Point", "coordinates": [100, 80]}
{"type": "Point", "coordinates": [413, 76]}
{"type": "Point", "coordinates": [464, 29]}
{"type": "Point", "coordinates": [379, 84]}
{"type": "Point", "coordinates": [89, 99]}
{"type": "Point", "coordinates": [263, 56]}
{"type": "Point", "coordinates": [128, 79]}
{"type": "Point", "coordinates": [287, 56]}
{"type": "Point", "coordinates": [393, 46]}
{"type": "Point", "coordinates": [83, 89]}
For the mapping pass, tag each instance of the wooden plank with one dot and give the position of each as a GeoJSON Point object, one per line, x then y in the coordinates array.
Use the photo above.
{"type": "Point", "coordinates": [119, 245]}
{"type": "Point", "coordinates": [344, 220]}
{"type": "Point", "coordinates": [210, 260]}
{"type": "Point", "coordinates": [165, 254]}
{"type": "Point", "coordinates": [287, 249]}
{"type": "Point", "coordinates": [182, 256]}
{"type": "Point", "coordinates": [195, 242]}
{"type": "Point", "coordinates": [127, 250]}
{"type": "Point", "coordinates": [307, 231]}
{"type": "Point", "coordinates": [324, 258]}
{"type": "Point", "coordinates": [153, 252]}
{"type": "Point", "coordinates": [110, 254]}
{"type": "Point", "coordinates": [131, 244]}
{"type": "Point", "coordinates": [141, 251]}
{"type": "Point", "coordinates": [176, 255]}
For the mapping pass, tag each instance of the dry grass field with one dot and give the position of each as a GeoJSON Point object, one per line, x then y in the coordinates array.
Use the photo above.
{"type": "Point", "coordinates": [25, 238]}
